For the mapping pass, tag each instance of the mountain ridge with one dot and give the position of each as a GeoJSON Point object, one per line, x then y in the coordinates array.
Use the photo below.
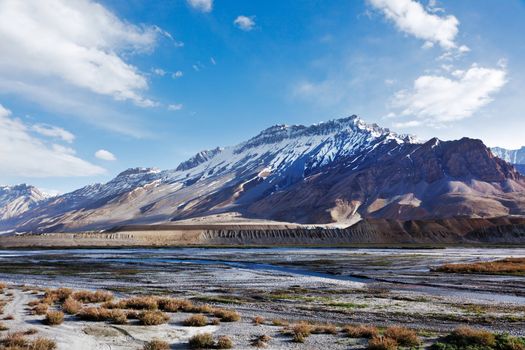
{"type": "Point", "coordinates": [333, 172]}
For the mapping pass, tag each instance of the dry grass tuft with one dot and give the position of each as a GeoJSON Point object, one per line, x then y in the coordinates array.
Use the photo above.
{"type": "Point", "coordinates": [9, 318]}
{"type": "Point", "coordinates": [98, 314]}
{"type": "Point", "coordinates": [43, 344]}
{"type": "Point", "coordinates": [174, 305]}
{"type": "Point", "coordinates": [466, 336]}
{"type": "Point", "coordinates": [382, 343]}
{"type": "Point", "coordinates": [198, 320]}
{"type": "Point", "coordinates": [153, 318]}
{"type": "Point", "coordinates": [202, 341]}
{"type": "Point", "coordinates": [54, 318]}
{"type": "Point", "coordinates": [71, 306]}
{"type": "Point", "coordinates": [301, 331]}
{"type": "Point", "coordinates": [280, 323]}
{"type": "Point", "coordinates": [403, 336]}
{"type": "Point", "coordinates": [15, 341]}
{"type": "Point", "coordinates": [360, 331]}
{"type": "Point", "coordinates": [258, 320]}
{"type": "Point", "coordinates": [227, 315]}
{"type": "Point", "coordinates": [261, 341]}
{"type": "Point", "coordinates": [3, 327]}
{"type": "Point", "coordinates": [224, 342]}
{"type": "Point", "coordinates": [326, 328]}
{"type": "Point", "coordinates": [156, 345]}
{"type": "Point", "coordinates": [31, 331]}
{"type": "Point", "coordinates": [40, 309]}
{"type": "Point", "coordinates": [86, 296]}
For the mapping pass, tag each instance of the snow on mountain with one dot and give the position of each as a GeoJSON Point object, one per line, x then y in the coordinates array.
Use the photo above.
{"type": "Point", "coordinates": [15, 200]}
{"type": "Point", "coordinates": [513, 156]}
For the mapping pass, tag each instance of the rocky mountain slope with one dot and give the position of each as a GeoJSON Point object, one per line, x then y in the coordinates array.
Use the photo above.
{"type": "Point", "coordinates": [333, 172]}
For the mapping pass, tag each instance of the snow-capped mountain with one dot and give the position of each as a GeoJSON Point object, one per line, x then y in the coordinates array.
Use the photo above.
{"type": "Point", "coordinates": [513, 156]}
{"type": "Point", "coordinates": [337, 171]}
{"type": "Point", "coordinates": [15, 200]}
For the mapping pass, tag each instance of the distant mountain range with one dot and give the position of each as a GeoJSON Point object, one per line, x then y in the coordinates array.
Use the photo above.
{"type": "Point", "coordinates": [515, 156]}
{"type": "Point", "coordinates": [334, 172]}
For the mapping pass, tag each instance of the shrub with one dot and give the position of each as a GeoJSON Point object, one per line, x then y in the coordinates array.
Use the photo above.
{"type": "Point", "coordinates": [153, 318]}
{"type": "Point", "coordinates": [203, 309]}
{"type": "Point", "coordinates": [86, 296]}
{"type": "Point", "coordinates": [382, 343]}
{"type": "Point", "coordinates": [403, 336]}
{"type": "Point", "coordinates": [261, 341]}
{"type": "Point", "coordinates": [117, 317]}
{"type": "Point", "coordinates": [507, 342]}
{"type": "Point", "coordinates": [174, 305]}
{"type": "Point", "coordinates": [15, 340]}
{"type": "Point", "coordinates": [103, 314]}
{"type": "Point", "coordinates": [202, 341]}
{"type": "Point", "coordinates": [257, 320]}
{"type": "Point", "coordinates": [63, 293]}
{"type": "Point", "coordinates": [301, 331]}
{"type": "Point", "coordinates": [224, 342]}
{"type": "Point", "coordinates": [324, 329]}
{"type": "Point", "coordinates": [40, 309]}
{"type": "Point", "coordinates": [31, 331]}
{"type": "Point", "coordinates": [360, 331]}
{"type": "Point", "coordinates": [227, 315]}
{"type": "Point", "coordinates": [2, 286]}
{"type": "Point", "coordinates": [156, 345]}
{"type": "Point", "coordinates": [196, 321]}
{"type": "Point", "coordinates": [54, 318]}
{"type": "Point", "coordinates": [216, 321]}
{"type": "Point", "coordinates": [466, 336]}
{"type": "Point", "coordinates": [43, 344]}
{"type": "Point", "coordinates": [34, 302]}
{"type": "Point", "coordinates": [280, 323]}
{"type": "Point", "coordinates": [9, 317]}
{"type": "Point", "coordinates": [139, 303]}
{"type": "Point", "coordinates": [71, 306]}
{"type": "Point", "coordinates": [3, 327]}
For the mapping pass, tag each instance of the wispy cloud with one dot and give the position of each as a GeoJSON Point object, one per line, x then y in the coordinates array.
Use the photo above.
{"type": "Point", "coordinates": [245, 23]}
{"type": "Point", "coordinates": [201, 5]}
{"type": "Point", "coordinates": [53, 131]}
{"type": "Point", "coordinates": [177, 74]}
{"type": "Point", "coordinates": [23, 154]}
{"type": "Point", "coordinates": [438, 100]}
{"type": "Point", "coordinates": [175, 107]}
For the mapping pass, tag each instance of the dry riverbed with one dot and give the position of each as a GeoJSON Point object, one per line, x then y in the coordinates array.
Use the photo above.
{"type": "Point", "coordinates": [286, 290]}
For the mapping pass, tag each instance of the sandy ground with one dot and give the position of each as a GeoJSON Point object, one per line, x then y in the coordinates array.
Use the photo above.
{"type": "Point", "coordinates": [80, 335]}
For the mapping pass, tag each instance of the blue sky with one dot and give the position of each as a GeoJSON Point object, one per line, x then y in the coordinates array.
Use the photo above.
{"type": "Point", "coordinates": [88, 89]}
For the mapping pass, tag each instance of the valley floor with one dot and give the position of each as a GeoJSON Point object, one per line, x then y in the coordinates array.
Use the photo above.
{"type": "Point", "coordinates": [378, 287]}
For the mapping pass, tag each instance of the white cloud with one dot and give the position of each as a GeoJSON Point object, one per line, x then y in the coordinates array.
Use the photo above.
{"type": "Point", "coordinates": [212, 60]}
{"type": "Point", "coordinates": [196, 67]}
{"type": "Point", "coordinates": [201, 5]}
{"type": "Point", "coordinates": [175, 107]}
{"type": "Point", "coordinates": [159, 71]}
{"type": "Point", "coordinates": [410, 17]}
{"type": "Point", "coordinates": [177, 74]}
{"type": "Point", "coordinates": [439, 99]}
{"type": "Point", "coordinates": [245, 23]}
{"type": "Point", "coordinates": [79, 43]}
{"type": "Point", "coordinates": [105, 155]}
{"type": "Point", "coordinates": [22, 154]}
{"type": "Point", "coordinates": [53, 131]}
